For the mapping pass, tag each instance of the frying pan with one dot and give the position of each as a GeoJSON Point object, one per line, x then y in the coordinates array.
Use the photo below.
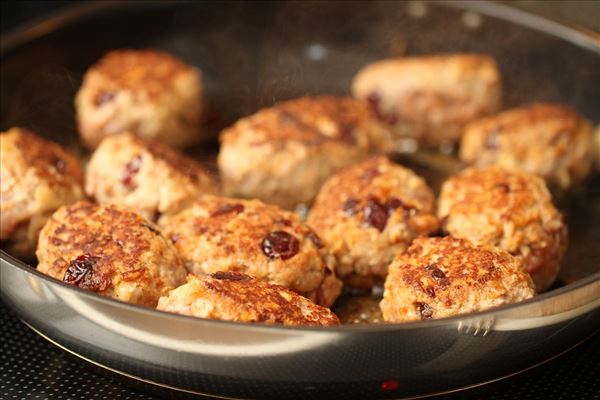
{"type": "Point", "coordinates": [253, 54]}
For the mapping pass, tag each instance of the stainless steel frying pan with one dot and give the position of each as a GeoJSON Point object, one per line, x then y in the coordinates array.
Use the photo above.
{"type": "Point", "coordinates": [252, 55]}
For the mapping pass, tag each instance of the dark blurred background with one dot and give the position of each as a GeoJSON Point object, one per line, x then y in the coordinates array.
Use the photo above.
{"type": "Point", "coordinates": [585, 13]}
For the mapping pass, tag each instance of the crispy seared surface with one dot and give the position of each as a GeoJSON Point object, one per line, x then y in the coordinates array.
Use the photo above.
{"type": "Point", "coordinates": [370, 212]}
{"type": "Point", "coordinates": [511, 210]}
{"type": "Point", "coordinates": [284, 153]}
{"type": "Point", "coordinates": [222, 234]}
{"type": "Point", "coordinates": [430, 98]}
{"type": "Point", "coordinates": [549, 140]}
{"type": "Point", "coordinates": [235, 296]}
{"type": "Point", "coordinates": [37, 176]}
{"type": "Point", "coordinates": [150, 93]}
{"type": "Point", "coordinates": [441, 277]}
{"type": "Point", "coordinates": [130, 259]}
{"type": "Point", "coordinates": [145, 176]}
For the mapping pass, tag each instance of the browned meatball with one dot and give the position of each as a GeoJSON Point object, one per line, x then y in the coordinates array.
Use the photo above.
{"type": "Point", "coordinates": [370, 212]}
{"type": "Point", "coordinates": [549, 140]}
{"type": "Point", "coordinates": [220, 234]}
{"type": "Point", "coordinates": [36, 177]}
{"type": "Point", "coordinates": [512, 210]}
{"type": "Point", "coordinates": [283, 154]}
{"type": "Point", "coordinates": [234, 296]}
{"type": "Point", "coordinates": [110, 251]}
{"type": "Point", "coordinates": [442, 277]}
{"type": "Point", "coordinates": [150, 93]}
{"type": "Point", "coordinates": [145, 176]}
{"type": "Point", "coordinates": [430, 98]}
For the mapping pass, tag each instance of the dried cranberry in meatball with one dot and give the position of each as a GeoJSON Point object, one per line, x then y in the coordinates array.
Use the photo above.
{"type": "Point", "coordinates": [221, 234]}
{"type": "Point", "coordinates": [233, 296]}
{"type": "Point", "coordinates": [145, 176]}
{"type": "Point", "coordinates": [548, 140]}
{"type": "Point", "coordinates": [150, 93]}
{"type": "Point", "coordinates": [370, 212]}
{"type": "Point", "coordinates": [36, 177]}
{"type": "Point", "coordinates": [442, 277]}
{"type": "Point", "coordinates": [283, 154]}
{"type": "Point", "coordinates": [110, 251]}
{"type": "Point", "coordinates": [511, 210]}
{"type": "Point", "coordinates": [430, 98]}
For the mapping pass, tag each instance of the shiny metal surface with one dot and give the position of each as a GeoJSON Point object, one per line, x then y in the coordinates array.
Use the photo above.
{"type": "Point", "coordinates": [244, 73]}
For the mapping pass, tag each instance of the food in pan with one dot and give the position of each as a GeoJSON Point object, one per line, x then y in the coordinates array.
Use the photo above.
{"type": "Point", "coordinates": [284, 153]}
{"type": "Point", "coordinates": [430, 98]}
{"type": "Point", "coordinates": [368, 213]}
{"type": "Point", "coordinates": [150, 93]}
{"type": "Point", "coordinates": [36, 177]}
{"type": "Point", "coordinates": [262, 240]}
{"type": "Point", "coordinates": [442, 277]}
{"type": "Point", "coordinates": [549, 140]}
{"type": "Point", "coordinates": [509, 209]}
{"type": "Point", "coordinates": [110, 251]}
{"type": "Point", "coordinates": [234, 296]}
{"type": "Point", "coordinates": [145, 176]}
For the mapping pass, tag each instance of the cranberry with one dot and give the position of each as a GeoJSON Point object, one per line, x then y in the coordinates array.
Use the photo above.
{"type": "Point", "coordinates": [438, 275]}
{"type": "Point", "coordinates": [374, 100]}
{"type": "Point", "coordinates": [431, 292]}
{"type": "Point", "coordinates": [228, 208]}
{"type": "Point", "coordinates": [425, 311]}
{"type": "Point", "coordinates": [81, 273]}
{"type": "Point", "coordinates": [376, 214]}
{"type": "Point", "coordinates": [280, 244]}
{"type": "Point", "coordinates": [103, 98]}
{"type": "Point", "coordinates": [349, 206]}
{"type": "Point", "coordinates": [313, 237]}
{"type": "Point", "coordinates": [230, 276]}
{"type": "Point", "coordinates": [130, 171]}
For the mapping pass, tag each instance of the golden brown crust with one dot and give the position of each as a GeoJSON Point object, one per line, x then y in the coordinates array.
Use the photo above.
{"type": "Point", "coordinates": [235, 296]}
{"type": "Point", "coordinates": [118, 253]}
{"type": "Point", "coordinates": [284, 153]}
{"type": "Point", "coordinates": [221, 234]}
{"type": "Point", "coordinates": [430, 98]}
{"type": "Point", "coordinates": [549, 140]}
{"type": "Point", "coordinates": [441, 277]}
{"type": "Point", "coordinates": [150, 71]}
{"type": "Point", "coordinates": [150, 93]}
{"type": "Point", "coordinates": [145, 176]}
{"type": "Point", "coordinates": [511, 210]}
{"type": "Point", "coordinates": [37, 176]}
{"type": "Point", "coordinates": [368, 213]}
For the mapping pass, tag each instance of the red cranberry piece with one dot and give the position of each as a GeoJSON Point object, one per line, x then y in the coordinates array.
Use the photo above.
{"type": "Point", "coordinates": [280, 244]}
{"type": "Point", "coordinates": [81, 273]}
{"type": "Point", "coordinates": [425, 311]}
{"type": "Point", "coordinates": [376, 214]}
{"type": "Point", "coordinates": [350, 206]}
{"type": "Point", "coordinates": [230, 276]}
{"type": "Point", "coordinates": [104, 98]}
{"type": "Point", "coordinates": [438, 275]}
{"type": "Point", "coordinates": [430, 292]}
{"type": "Point", "coordinates": [228, 208]}
{"type": "Point", "coordinates": [313, 237]}
{"type": "Point", "coordinates": [130, 171]}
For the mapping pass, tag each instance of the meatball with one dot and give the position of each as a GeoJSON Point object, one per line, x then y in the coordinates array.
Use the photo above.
{"type": "Point", "coordinates": [220, 234]}
{"type": "Point", "coordinates": [234, 296]}
{"type": "Point", "coordinates": [549, 140]}
{"type": "Point", "coordinates": [36, 177]}
{"type": "Point", "coordinates": [370, 212]}
{"type": "Point", "coordinates": [110, 251]}
{"type": "Point", "coordinates": [150, 93]}
{"type": "Point", "coordinates": [430, 98]}
{"type": "Point", "coordinates": [283, 154]}
{"type": "Point", "coordinates": [442, 277]}
{"type": "Point", "coordinates": [145, 176]}
{"type": "Point", "coordinates": [509, 209]}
